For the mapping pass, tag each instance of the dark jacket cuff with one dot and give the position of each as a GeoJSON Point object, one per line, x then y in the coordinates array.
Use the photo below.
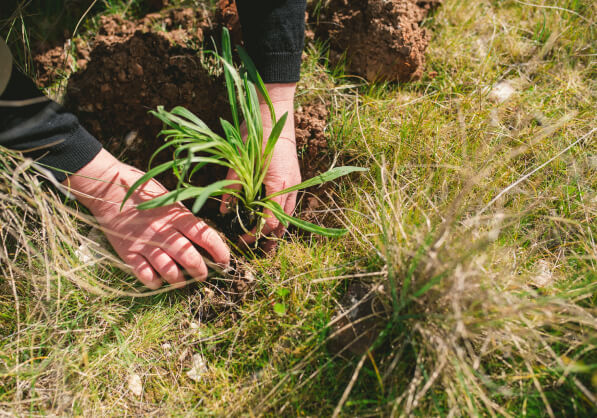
{"type": "Point", "coordinates": [278, 67]}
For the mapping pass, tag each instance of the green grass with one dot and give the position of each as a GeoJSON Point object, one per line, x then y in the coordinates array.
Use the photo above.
{"type": "Point", "coordinates": [494, 307]}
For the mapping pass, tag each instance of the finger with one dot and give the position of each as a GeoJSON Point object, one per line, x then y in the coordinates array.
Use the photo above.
{"type": "Point", "coordinates": [143, 271]}
{"type": "Point", "coordinates": [182, 250]}
{"type": "Point", "coordinates": [227, 199]}
{"type": "Point", "coordinates": [271, 222]}
{"type": "Point", "coordinates": [271, 244]}
{"type": "Point", "coordinates": [163, 264]}
{"type": "Point", "coordinates": [208, 239]}
{"type": "Point", "coordinates": [290, 203]}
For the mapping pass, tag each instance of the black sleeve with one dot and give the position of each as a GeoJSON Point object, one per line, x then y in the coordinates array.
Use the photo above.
{"type": "Point", "coordinates": [43, 130]}
{"type": "Point", "coordinates": [274, 36]}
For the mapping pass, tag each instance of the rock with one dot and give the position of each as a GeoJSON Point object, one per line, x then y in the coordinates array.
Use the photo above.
{"type": "Point", "coordinates": [134, 384]}
{"type": "Point", "coordinates": [502, 91]}
{"type": "Point", "coordinates": [198, 368]}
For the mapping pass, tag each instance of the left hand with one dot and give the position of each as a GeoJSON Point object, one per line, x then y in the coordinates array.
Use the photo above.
{"type": "Point", "coordinates": [284, 170]}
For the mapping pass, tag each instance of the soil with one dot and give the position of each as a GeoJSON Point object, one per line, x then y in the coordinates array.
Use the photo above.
{"type": "Point", "coordinates": [51, 64]}
{"type": "Point", "coordinates": [236, 222]}
{"type": "Point", "coordinates": [130, 67]}
{"type": "Point", "coordinates": [380, 39]}
{"type": "Point", "coordinates": [310, 123]}
{"type": "Point", "coordinates": [360, 319]}
{"type": "Point", "coordinates": [226, 15]}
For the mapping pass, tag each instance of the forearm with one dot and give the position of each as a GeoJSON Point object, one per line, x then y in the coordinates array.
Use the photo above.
{"type": "Point", "coordinates": [42, 129]}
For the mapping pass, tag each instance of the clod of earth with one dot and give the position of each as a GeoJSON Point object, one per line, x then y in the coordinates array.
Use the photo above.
{"type": "Point", "coordinates": [380, 39]}
{"type": "Point", "coordinates": [227, 15]}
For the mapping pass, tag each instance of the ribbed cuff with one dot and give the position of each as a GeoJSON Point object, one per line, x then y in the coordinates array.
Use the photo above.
{"type": "Point", "coordinates": [278, 67]}
{"type": "Point", "coordinates": [78, 149]}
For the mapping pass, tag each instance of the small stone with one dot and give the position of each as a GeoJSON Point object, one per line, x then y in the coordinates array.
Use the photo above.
{"type": "Point", "coordinates": [198, 369]}
{"type": "Point", "coordinates": [502, 91]}
{"type": "Point", "coordinates": [135, 386]}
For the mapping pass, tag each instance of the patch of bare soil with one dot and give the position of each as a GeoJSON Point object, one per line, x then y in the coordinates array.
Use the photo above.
{"type": "Point", "coordinates": [310, 123]}
{"type": "Point", "coordinates": [51, 64]}
{"type": "Point", "coordinates": [358, 321]}
{"type": "Point", "coordinates": [380, 39]}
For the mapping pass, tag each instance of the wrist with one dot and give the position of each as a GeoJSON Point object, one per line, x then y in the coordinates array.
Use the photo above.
{"type": "Point", "coordinates": [95, 179]}
{"type": "Point", "coordinates": [279, 92]}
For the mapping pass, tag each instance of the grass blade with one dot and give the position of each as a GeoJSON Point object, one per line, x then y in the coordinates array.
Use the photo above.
{"type": "Point", "coordinates": [307, 226]}
{"type": "Point", "coordinates": [329, 175]}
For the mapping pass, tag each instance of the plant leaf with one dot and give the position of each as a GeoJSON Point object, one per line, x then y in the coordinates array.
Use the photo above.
{"type": "Point", "coordinates": [181, 111]}
{"type": "Point", "coordinates": [329, 175]}
{"type": "Point", "coordinates": [214, 189]}
{"type": "Point", "coordinates": [170, 197]}
{"type": "Point", "coordinates": [280, 309]}
{"type": "Point", "coordinates": [146, 177]}
{"type": "Point", "coordinates": [307, 226]}
{"type": "Point", "coordinates": [256, 78]}
{"type": "Point", "coordinates": [269, 147]}
{"type": "Point", "coordinates": [227, 58]}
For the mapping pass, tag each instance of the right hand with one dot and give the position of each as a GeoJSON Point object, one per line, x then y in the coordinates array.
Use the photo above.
{"type": "Point", "coordinates": [151, 241]}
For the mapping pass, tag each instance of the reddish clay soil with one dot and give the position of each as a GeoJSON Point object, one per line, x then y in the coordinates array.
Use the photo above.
{"type": "Point", "coordinates": [226, 15]}
{"type": "Point", "coordinates": [310, 122]}
{"type": "Point", "coordinates": [51, 64]}
{"type": "Point", "coordinates": [381, 39]}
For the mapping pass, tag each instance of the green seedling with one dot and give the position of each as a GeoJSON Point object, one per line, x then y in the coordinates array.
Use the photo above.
{"type": "Point", "coordinates": [196, 145]}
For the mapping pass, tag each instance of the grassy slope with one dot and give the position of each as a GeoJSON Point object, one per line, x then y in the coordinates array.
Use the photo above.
{"type": "Point", "coordinates": [439, 150]}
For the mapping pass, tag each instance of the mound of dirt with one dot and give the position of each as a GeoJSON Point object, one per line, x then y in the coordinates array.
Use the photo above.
{"type": "Point", "coordinates": [132, 69]}
{"type": "Point", "coordinates": [311, 141]}
{"type": "Point", "coordinates": [380, 39]}
{"type": "Point", "coordinates": [51, 64]}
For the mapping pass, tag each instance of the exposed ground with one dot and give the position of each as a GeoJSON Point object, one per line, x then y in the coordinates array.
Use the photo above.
{"type": "Point", "coordinates": [379, 39]}
{"type": "Point", "coordinates": [469, 269]}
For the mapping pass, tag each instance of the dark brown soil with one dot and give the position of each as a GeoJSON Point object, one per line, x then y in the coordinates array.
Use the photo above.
{"type": "Point", "coordinates": [129, 68]}
{"type": "Point", "coordinates": [380, 39]}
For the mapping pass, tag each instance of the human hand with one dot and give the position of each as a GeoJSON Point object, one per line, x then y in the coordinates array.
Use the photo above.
{"type": "Point", "coordinates": [284, 170]}
{"type": "Point", "coordinates": [151, 241]}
